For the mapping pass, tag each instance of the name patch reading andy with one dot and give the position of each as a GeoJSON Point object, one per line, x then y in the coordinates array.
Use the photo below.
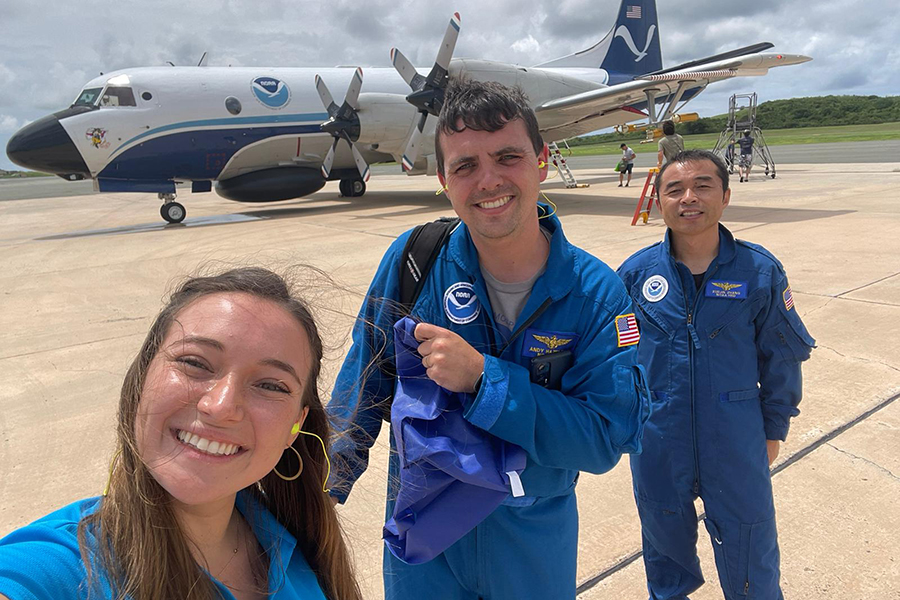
{"type": "Point", "coordinates": [539, 343]}
{"type": "Point", "coordinates": [733, 290]}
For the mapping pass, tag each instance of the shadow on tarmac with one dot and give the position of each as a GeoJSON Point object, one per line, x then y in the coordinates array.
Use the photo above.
{"type": "Point", "coordinates": [425, 204]}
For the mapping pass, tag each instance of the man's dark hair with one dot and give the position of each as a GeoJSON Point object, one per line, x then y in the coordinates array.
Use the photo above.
{"type": "Point", "coordinates": [668, 128]}
{"type": "Point", "coordinates": [483, 106]}
{"type": "Point", "coordinates": [624, 145]}
{"type": "Point", "coordinates": [686, 156]}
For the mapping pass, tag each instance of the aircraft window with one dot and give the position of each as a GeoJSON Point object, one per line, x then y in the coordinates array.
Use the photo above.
{"type": "Point", "coordinates": [147, 96]}
{"type": "Point", "coordinates": [233, 105]}
{"type": "Point", "coordinates": [88, 97]}
{"type": "Point", "coordinates": [118, 96]}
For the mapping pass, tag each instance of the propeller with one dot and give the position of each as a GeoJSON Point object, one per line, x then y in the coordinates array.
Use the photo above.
{"type": "Point", "coordinates": [427, 92]}
{"type": "Point", "coordinates": [343, 123]}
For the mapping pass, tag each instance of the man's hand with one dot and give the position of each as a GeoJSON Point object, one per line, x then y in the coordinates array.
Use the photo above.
{"type": "Point", "coordinates": [772, 447]}
{"type": "Point", "coordinates": [450, 361]}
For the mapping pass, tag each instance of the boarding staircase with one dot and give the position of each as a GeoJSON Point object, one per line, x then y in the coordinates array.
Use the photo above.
{"type": "Point", "coordinates": [560, 163]}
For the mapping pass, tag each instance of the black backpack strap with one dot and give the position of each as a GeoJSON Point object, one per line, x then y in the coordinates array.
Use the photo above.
{"type": "Point", "coordinates": [421, 250]}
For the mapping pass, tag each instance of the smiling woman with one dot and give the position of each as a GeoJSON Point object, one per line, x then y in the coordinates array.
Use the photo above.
{"type": "Point", "coordinates": [216, 488]}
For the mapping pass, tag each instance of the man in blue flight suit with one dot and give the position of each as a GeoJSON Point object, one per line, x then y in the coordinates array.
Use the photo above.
{"type": "Point", "coordinates": [722, 344]}
{"type": "Point", "coordinates": [506, 292]}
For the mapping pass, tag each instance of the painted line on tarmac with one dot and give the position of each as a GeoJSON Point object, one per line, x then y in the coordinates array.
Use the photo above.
{"type": "Point", "coordinates": [802, 453]}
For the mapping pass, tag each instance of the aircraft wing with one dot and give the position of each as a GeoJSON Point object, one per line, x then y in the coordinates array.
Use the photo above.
{"type": "Point", "coordinates": [581, 113]}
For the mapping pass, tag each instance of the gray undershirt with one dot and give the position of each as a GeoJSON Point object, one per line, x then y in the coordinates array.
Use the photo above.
{"type": "Point", "coordinates": [508, 299]}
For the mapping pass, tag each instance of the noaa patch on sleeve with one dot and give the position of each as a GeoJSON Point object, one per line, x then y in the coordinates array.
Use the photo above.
{"type": "Point", "coordinates": [733, 290]}
{"type": "Point", "coordinates": [461, 304]}
{"type": "Point", "coordinates": [539, 343]}
{"type": "Point", "coordinates": [655, 288]}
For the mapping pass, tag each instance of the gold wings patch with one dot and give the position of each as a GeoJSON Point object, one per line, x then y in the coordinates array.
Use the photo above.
{"type": "Point", "coordinates": [724, 285]}
{"type": "Point", "coordinates": [552, 343]}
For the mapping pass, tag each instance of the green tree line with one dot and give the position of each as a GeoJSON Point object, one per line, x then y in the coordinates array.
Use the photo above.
{"type": "Point", "coordinates": [816, 111]}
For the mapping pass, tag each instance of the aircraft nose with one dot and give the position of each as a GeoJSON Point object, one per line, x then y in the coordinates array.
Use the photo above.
{"type": "Point", "coordinates": [45, 146]}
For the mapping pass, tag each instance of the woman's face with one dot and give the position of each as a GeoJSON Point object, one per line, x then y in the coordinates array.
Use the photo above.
{"type": "Point", "coordinates": [221, 396]}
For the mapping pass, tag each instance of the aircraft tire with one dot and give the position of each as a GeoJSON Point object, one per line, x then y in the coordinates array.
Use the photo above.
{"type": "Point", "coordinates": [173, 212]}
{"type": "Point", "coordinates": [352, 188]}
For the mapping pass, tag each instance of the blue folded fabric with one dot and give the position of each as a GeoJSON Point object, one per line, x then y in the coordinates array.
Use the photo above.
{"type": "Point", "coordinates": [452, 474]}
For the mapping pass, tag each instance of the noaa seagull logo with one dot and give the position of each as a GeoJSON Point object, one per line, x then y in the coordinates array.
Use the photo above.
{"type": "Point", "coordinates": [655, 288]}
{"type": "Point", "coordinates": [271, 92]}
{"type": "Point", "coordinates": [461, 304]}
{"type": "Point", "coordinates": [625, 34]}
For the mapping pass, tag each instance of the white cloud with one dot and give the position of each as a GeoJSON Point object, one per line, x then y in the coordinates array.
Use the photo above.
{"type": "Point", "coordinates": [9, 124]}
{"type": "Point", "coordinates": [527, 45]}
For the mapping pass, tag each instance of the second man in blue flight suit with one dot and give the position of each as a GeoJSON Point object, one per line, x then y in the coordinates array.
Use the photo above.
{"type": "Point", "coordinates": [722, 344]}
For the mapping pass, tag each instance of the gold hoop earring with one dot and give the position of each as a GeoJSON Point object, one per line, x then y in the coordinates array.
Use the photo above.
{"type": "Point", "coordinates": [300, 470]}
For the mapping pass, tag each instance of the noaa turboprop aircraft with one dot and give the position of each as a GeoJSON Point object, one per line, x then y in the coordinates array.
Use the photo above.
{"type": "Point", "coordinates": [266, 134]}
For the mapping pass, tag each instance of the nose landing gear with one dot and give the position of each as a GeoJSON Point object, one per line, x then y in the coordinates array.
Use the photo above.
{"type": "Point", "coordinates": [171, 211]}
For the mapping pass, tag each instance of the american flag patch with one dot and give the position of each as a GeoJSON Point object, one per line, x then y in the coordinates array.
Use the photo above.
{"type": "Point", "coordinates": [632, 12]}
{"type": "Point", "coordinates": [788, 298]}
{"type": "Point", "coordinates": [627, 330]}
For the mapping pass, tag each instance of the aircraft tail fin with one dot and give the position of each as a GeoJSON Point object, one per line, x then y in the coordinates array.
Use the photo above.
{"type": "Point", "coordinates": [631, 47]}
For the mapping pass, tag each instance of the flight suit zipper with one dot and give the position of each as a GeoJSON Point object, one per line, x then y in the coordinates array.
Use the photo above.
{"type": "Point", "coordinates": [695, 343]}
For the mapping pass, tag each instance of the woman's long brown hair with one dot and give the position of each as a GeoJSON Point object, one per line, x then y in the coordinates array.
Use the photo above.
{"type": "Point", "coordinates": [133, 540]}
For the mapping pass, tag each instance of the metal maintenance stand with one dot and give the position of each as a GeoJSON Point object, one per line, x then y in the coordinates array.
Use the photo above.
{"type": "Point", "coordinates": [741, 116]}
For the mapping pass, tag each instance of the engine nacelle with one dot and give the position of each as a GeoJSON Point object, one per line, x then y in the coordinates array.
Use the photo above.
{"type": "Point", "coordinates": [385, 119]}
{"type": "Point", "coordinates": [270, 185]}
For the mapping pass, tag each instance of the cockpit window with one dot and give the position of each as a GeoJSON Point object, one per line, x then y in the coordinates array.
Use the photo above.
{"type": "Point", "coordinates": [88, 97]}
{"type": "Point", "coordinates": [117, 96]}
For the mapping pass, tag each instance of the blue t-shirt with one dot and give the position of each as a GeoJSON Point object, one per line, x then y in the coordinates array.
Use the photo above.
{"type": "Point", "coordinates": [42, 561]}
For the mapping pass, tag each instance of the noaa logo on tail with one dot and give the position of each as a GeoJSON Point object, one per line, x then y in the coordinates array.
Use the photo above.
{"type": "Point", "coordinates": [461, 304]}
{"type": "Point", "coordinates": [271, 92]}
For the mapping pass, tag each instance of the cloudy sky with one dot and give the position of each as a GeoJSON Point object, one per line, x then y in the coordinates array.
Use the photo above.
{"type": "Point", "coordinates": [49, 49]}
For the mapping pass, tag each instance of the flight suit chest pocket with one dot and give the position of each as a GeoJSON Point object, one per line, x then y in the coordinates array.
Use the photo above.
{"type": "Point", "coordinates": [652, 316]}
{"type": "Point", "coordinates": [737, 312]}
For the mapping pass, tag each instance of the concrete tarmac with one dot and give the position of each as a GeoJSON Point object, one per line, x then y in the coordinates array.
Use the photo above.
{"type": "Point", "coordinates": [83, 276]}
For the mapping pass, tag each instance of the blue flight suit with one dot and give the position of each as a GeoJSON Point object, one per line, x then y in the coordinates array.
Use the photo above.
{"type": "Point", "coordinates": [42, 561]}
{"type": "Point", "coordinates": [723, 363]}
{"type": "Point", "coordinates": [527, 547]}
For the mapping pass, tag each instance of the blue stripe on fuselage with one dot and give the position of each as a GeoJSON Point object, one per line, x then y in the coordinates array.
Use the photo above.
{"type": "Point", "coordinates": [231, 122]}
{"type": "Point", "coordinates": [193, 155]}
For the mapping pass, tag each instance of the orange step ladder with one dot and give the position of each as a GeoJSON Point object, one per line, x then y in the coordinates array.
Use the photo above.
{"type": "Point", "coordinates": [650, 184]}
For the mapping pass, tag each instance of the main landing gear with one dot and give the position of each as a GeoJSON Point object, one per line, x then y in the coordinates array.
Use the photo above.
{"type": "Point", "coordinates": [352, 188]}
{"type": "Point", "coordinates": [172, 211]}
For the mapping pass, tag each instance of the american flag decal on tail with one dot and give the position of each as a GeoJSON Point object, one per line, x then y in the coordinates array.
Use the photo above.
{"type": "Point", "coordinates": [627, 330]}
{"type": "Point", "coordinates": [632, 12]}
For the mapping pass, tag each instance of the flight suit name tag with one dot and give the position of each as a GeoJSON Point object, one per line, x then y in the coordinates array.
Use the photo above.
{"type": "Point", "coordinates": [731, 290]}
{"type": "Point", "coordinates": [539, 343]}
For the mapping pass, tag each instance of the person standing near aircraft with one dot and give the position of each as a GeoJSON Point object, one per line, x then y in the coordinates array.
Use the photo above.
{"type": "Point", "coordinates": [506, 277]}
{"type": "Point", "coordinates": [722, 343]}
{"type": "Point", "coordinates": [668, 146]}
{"type": "Point", "coordinates": [628, 157]}
{"type": "Point", "coordinates": [746, 161]}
